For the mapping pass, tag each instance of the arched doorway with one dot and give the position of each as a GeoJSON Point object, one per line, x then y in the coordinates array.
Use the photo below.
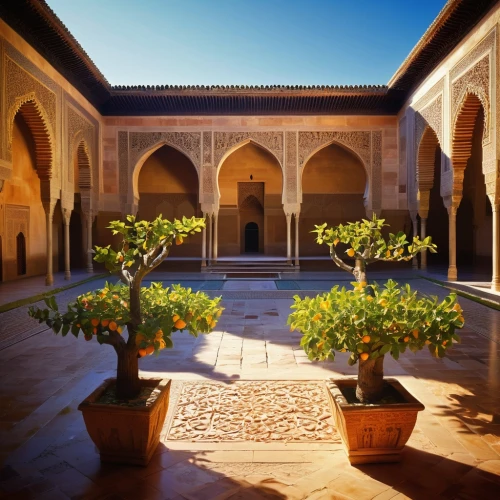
{"type": "Point", "coordinates": [474, 234]}
{"type": "Point", "coordinates": [23, 208]}
{"type": "Point", "coordinates": [168, 185]}
{"type": "Point", "coordinates": [250, 183]}
{"type": "Point", "coordinates": [21, 254]}
{"type": "Point", "coordinates": [251, 237]}
{"type": "Point", "coordinates": [333, 186]}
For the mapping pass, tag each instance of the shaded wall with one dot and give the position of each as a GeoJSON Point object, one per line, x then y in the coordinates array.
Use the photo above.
{"type": "Point", "coordinates": [333, 183]}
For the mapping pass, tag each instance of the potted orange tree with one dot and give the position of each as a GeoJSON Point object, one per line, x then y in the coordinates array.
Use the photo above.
{"type": "Point", "coordinates": [375, 417]}
{"type": "Point", "coordinates": [124, 416]}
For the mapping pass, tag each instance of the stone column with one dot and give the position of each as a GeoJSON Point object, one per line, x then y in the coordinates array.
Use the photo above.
{"type": "Point", "coordinates": [288, 238]}
{"type": "Point", "coordinates": [216, 236]}
{"type": "Point", "coordinates": [204, 243]}
{"type": "Point", "coordinates": [423, 234]}
{"type": "Point", "coordinates": [210, 245]}
{"type": "Point", "coordinates": [414, 223]}
{"type": "Point", "coordinates": [67, 266]}
{"type": "Point", "coordinates": [297, 261]}
{"type": "Point", "coordinates": [49, 206]}
{"type": "Point", "coordinates": [89, 220]}
{"type": "Point", "coordinates": [452, 241]}
{"type": "Point", "coordinates": [495, 281]}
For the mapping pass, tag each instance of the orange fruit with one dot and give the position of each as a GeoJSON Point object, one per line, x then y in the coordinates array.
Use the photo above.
{"type": "Point", "coordinates": [382, 302]}
{"type": "Point", "coordinates": [78, 325]}
{"type": "Point", "coordinates": [351, 252]}
{"type": "Point", "coordinates": [178, 240]}
{"type": "Point", "coordinates": [119, 329]}
{"type": "Point", "coordinates": [213, 323]}
{"type": "Point", "coordinates": [162, 344]}
{"type": "Point", "coordinates": [364, 356]}
{"type": "Point", "coordinates": [115, 297]}
{"type": "Point", "coordinates": [336, 241]}
{"type": "Point", "coordinates": [142, 352]}
{"type": "Point", "coordinates": [121, 258]}
{"type": "Point", "coordinates": [112, 326]}
{"type": "Point", "coordinates": [366, 339]}
{"type": "Point", "coordinates": [415, 333]}
{"type": "Point", "coordinates": [316, 317]}
{"type": "Point", "coordinates": [457, 308]}
{"type": "Point", "coordinates": [150, 349]}
{"type": "Point", "coordinates": [445, 342]}
{"type": "Point", "coordinates": [427, 342]}
{"type": "Point", "coordinates": [209, 319]}
{"type": "Point", "coordinates": [406, 339]}
{"type": "Point", "coordinates": [159, 334]}
{"type": "Point", "coordinates": [105, 322]}
{"type": "Point", "coordinates": [180, 324]}
{"type": "Point", "coordinates": [94, 321]}
{"type": "Point", "coordinates": [388, 253]}
{"type": "Point", "coordinates": [319, 345]}
{"type": "Point", "coordinates": [461, 318]}
{"type": "Point", "coordinates": [175, 317]}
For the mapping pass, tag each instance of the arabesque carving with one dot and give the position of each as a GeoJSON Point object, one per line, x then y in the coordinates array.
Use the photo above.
{"type": "Point", "coordinates": [246, 189]}
{"type": "Point", "coordinates": [475, 81]}
{"type": "Point", "coordinates": [207, 148]}
{"type": "Point", "coordinates": [188, 143]}
{"type": "Point", "coordinates": [291, 169]}
{"type": "Point", "coordinates": [17, 220]}
{"type": "Point", "coordinates": [224, 141]}
{"type": "Point", "coordinates": [123, 170]}
{"type": "Point", "coordinates": [253, 411]}
{"type": "Point", "coordinates": [359, 142]}
{"type": "Point", "coordinates": [79, 129]}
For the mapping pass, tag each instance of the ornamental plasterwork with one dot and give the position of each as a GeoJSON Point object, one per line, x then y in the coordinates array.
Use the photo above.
{"type": "Point", "coordinates": [376, 171]}
{"type": "Point", "coordinates": [246, 189]}
{"type": "Point", "coordinates": [291, 167]}
{"type": "Point", "coordinates": [207, 148]}
{"type": "Point", "coordinates": [475, 81]}
{"type": "Point", "coordinates": [123, 170]}
{"type": "Point", "coordinates": [359, 142]}
{"type": "Point", "coordinates": [432, 116]}
{"type": "Point", "coordinates": [79, 128]}
{"type": "Point", "coordinates": [21, 88]}
{"type": "Point", "coordinates": [224, 141]}
{"type": "Point", "coordinates": [252, 411]}
{"type": "Point", "coordinates": [188, 143]}
{"type": "Point", "coordinates": [17, 219]}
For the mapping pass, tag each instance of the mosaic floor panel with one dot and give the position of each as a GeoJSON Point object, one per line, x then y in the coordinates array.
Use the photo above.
{"type": "Point", "coordinates": [253, 411]}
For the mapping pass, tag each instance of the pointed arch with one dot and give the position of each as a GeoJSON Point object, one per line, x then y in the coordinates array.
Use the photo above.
{"type": "Point", "coordinates": [36, 118]}
{"type": "Point", "coordinates": [426, 159]}
{"type": "Point", "coordinates": [251, 203]}
{"type": "Point", "coordinates": [146, 154]}
{"type": "Point", "coordinates": [463, 130]}
{"type": "Point", "coordinates": [239, 145]}
{"type": "Point", "coordinates": [21, 254]}
{"type": "Point", "coordinates": [84, 166]}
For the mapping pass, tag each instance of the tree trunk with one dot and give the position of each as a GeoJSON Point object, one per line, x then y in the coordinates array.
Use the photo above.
{"type": "Point", "coordinates": [127, 373]}
{"type": "Point", "coordinates": [370, 380]}
{"type": "Point", "coordinates": [360, 271]}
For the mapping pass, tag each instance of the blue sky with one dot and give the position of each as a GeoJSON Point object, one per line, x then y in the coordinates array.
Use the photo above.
{"type": "Point", "coordinates": [265, 42]}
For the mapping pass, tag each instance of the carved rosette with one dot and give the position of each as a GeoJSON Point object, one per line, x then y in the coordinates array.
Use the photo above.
{"type": "Point", "coordinates": [188, 143]}
{"type": "Point", "coordinates": [224, 141]}
{"type": "Point", "coordinates": [475, 81]}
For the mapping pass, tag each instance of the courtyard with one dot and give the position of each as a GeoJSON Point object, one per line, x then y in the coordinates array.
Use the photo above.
{"type": "Point", "coordinates": [248, 415]}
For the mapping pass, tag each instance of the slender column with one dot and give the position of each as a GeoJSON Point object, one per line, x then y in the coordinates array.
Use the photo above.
{"type": "Point", "coordinates": [210, 246]}
{"type": "Point", "coordinates": [423, 234]}
{"type": "Point", "coordinates": [452, 241]}
{"type": "Point", "coordinates": [67, 266]}
{"type": "Point", "coordinates": [297, 261]}
{"type": "Point", "coordinates": [90, 261]}
{"type": "Point", "coordinates": [495, 282]}
{"type": "Point", "coordinates": [49, 214]}
{"type": "Point", "coordinates": [288, 238]}
{"type": "Point", "coordinates": [216, 236]}
{"type": "Point", "coordinates": [414, 223]}
{"type": "Point", "coordinates": [204, 243]}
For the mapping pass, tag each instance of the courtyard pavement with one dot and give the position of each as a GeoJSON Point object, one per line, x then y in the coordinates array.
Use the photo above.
{"type": "Point", "coordinates": [454, 451]}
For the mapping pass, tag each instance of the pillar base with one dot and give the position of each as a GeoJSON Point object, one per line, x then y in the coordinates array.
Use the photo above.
{"type": "Point", "coordinates": [495, 286]}
{"type": "Point", "coordinates": [90, 269]}
{"type": "Point", "coordinates": [452, 273]}
{"type": "Point", "coordinates": [67, 275]}
{"type": "Point", "coordinates": [49, 280]}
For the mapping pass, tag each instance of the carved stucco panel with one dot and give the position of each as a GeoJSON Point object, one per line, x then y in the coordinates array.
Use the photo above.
{"type": "Point", "coordinates": [291, 169]}
{"type": "Point", "coordinates": [359, 142]}
{"type": "Point", "coordinates": [432, 116]}
{"type": "Point", "coordinates": [188, 143]}
{"type": "Point", "coordinates": [246, 189]}
{"type": "Point", "coordinates": [224, 141]}
{"type": "Point", "coordinates": [376, 173]}
{"type": "Point", "coordinates": [79, 128]}
{"type": "Point", "coordinates": [123, 164]}
{"type": "Point", "coordinates": [17, 220]}
{"type": "Point", "coordinates": [207, 148]}
{"type": "Point", "coordinates": [22, 87]}
{"type": "Point", "coordinates": [475, 81]}
{"type": "Point", "coordinates": [208, 184]}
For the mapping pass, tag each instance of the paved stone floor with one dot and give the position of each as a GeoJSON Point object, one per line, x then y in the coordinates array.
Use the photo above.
{"type": "Point", "coordinates": [454, 451]}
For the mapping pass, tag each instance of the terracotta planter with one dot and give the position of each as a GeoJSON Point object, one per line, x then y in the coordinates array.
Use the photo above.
{"type": "Point", "coordinates": [373, 433]}
{"type": "Point", "coordinates": [123, 434]}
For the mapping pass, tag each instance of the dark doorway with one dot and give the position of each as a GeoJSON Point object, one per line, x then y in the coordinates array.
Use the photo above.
{"type": "Point", "coordinates": [21, 254]}
{"type": "Point", "coordinates": [1, 260]}
{"type": "Point", "coordinates": [251, 238]}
